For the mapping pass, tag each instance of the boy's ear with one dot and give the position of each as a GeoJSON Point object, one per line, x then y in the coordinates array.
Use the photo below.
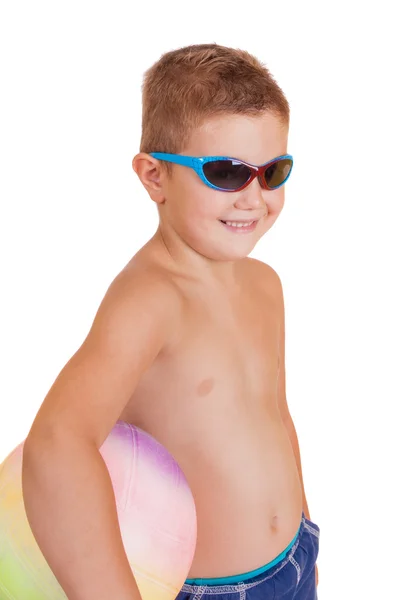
{"type": "Point", "coordinates": [150, 173]}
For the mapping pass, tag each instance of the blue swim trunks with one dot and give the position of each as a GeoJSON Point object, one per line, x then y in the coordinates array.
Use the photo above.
{"type": "Point", "coordinates": [290, 576]}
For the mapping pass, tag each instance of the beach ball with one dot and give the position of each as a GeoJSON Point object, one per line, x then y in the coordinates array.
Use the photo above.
{"type": "Point", "coordinates": [156, 514]}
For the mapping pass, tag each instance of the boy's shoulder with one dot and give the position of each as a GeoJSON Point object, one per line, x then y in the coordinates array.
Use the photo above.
{"type": "Point", "coordinates": [139, 275]}
{"type": "Point", "coordinates": [265, 272]}
{"type": "Point", "coordinates": [271, 285]}
{"type": "Point", "coordinates": [144, 284]}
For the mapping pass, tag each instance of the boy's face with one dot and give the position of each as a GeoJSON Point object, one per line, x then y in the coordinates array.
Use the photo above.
{"type": "Point", "coordinates": [191, 209]}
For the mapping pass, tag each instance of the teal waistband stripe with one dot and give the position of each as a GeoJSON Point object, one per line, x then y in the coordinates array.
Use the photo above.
{"type": "Point", "coordinates": [237, 578]}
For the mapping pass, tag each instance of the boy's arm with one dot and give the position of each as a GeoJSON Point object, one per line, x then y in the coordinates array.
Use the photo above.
{"type": "Point", "coordinates": [68, 494]}
{"type": "Point", "coordinates": [282, 401]}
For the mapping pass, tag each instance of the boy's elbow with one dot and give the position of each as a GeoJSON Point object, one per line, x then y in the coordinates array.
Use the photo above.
{"type": "Point", "coordinates": [44, 444]}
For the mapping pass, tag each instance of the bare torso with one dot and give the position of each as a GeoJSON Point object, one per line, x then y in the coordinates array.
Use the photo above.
{"type": "Point", "coordinates": [211, 399]}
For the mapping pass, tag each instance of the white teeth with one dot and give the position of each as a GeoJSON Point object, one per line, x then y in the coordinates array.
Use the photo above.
{"type": "Point", "coordinates": [239, 224]}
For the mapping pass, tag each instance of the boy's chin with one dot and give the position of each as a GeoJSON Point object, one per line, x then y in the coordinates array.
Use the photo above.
{"type": "Point", "coordinates": [225, 253]}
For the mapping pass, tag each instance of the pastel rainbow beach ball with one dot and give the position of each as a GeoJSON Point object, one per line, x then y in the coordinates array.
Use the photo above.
{"type": "Point", "coordinates": [156, 513]}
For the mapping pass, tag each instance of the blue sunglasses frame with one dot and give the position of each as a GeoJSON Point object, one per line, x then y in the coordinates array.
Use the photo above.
{"type": "Point", "coordinates": [197, 164]}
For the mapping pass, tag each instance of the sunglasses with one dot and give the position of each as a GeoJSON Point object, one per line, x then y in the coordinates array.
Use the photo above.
{"type": "Point", "coordinates": [231, 174]}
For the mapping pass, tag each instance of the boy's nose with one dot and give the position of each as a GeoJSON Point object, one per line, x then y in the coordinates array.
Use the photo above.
{"type": "Point", "coordinates": [251, 196]}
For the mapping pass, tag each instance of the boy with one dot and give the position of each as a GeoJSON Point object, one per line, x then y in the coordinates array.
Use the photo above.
{"type": "Point", "coordinates": [188, 344]}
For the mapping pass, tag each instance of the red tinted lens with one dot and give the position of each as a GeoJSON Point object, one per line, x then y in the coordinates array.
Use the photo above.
{"type": "Point", "coordinates": [278, 172]}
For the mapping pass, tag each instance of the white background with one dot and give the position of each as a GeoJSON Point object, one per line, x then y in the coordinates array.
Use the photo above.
{"type": "Point", "coordinates": [73, 212]}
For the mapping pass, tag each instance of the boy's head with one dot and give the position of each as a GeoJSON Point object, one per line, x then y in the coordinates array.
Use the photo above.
{"type": "Point", "coordinates": [209, 100]}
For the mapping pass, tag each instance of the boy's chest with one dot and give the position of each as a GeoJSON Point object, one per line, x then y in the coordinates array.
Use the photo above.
{"type": "Point", "coordinates": [234, 342]}
{"type": "Point", "coordinates": [224, 353]}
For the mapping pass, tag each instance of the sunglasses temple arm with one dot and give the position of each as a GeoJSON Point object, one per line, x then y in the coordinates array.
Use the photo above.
{"type": "Point", "coordinates": [186, 161]}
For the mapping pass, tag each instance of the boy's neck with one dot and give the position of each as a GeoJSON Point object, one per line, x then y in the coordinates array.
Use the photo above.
{"type": "Point", "coordinates": [174, 254]}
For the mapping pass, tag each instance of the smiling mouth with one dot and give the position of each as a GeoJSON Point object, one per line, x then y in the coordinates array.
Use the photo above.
{"type": "Point", "coordinates": [239, 223]}
{"type": "Point", "coordinates": [240, 226]}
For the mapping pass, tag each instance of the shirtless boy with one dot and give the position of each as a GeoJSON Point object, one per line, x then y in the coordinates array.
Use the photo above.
{"type": "Point", "coordinates": [189, 345]}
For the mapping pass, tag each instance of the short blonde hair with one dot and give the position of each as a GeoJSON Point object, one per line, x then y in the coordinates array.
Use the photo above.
{"type": "Point", "coordinates": [187, 86]}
